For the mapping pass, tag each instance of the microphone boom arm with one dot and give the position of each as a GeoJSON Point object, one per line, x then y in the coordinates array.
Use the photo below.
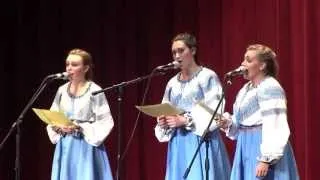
{"type": "Point", "coordinates": [126, 83]}
{"type": "Point", "coordinates": [16, 126]}
{"type": "Point", "coordinates": [119, 118]}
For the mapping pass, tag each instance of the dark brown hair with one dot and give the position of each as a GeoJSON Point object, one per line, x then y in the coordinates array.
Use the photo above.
{"type": "Point", "coordinates": [189, 40]}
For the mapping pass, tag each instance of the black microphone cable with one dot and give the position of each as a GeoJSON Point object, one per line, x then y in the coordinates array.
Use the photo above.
{"type": "Point", "coordinates": [154, 71]}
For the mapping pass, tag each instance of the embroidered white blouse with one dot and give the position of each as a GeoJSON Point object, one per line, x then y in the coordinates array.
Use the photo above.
{"type": "Point", "coordinates": [91, 113]}
{"type": "Point", "coordinates": [203, 87]}
{"type": "Point", "coordinates": [263, 105]}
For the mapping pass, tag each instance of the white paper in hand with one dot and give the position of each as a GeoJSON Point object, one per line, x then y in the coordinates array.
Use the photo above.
{"type": "Point", "coordinates": [159, 109]}
{"type": "Point", "coordinates": [52, 117]}
{"type": "Point", "coordinates": [201, 116]}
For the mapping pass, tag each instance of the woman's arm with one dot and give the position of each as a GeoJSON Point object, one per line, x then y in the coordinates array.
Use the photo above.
{"type": "Point", "coordinates": [275, 129]}
{"type": "Point", "coordinates": [101, 124]}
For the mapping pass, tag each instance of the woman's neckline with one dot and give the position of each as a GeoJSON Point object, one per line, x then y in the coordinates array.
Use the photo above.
{"type": "Point", "coordinates": [194, 74]}
{"type": "Point", "coordinates": [87, 86]}
{"type": "Point", "coordinates": [257, 84]}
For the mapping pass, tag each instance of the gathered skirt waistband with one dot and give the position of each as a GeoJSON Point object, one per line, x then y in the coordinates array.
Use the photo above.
{"type": "Point", "coordinates": [253, 127]}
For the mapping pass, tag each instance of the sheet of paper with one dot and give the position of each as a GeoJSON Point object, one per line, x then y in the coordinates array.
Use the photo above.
{"type": "Point", "coordinates": [41, 115]}
{"type": "Point", "coordinates": [52, 117]}
{"type": "Point", "coordinates": [202, 115]}
{"type": "Point", "coordinates": [159, 109]}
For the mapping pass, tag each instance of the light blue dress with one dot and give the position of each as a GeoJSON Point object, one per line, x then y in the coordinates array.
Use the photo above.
{"type": "Point", "coordinates": [259, 124]}
{"type": "Point", "coordinates": [204, 86]}
{"type": "Point", "coordinates": [82, 156]}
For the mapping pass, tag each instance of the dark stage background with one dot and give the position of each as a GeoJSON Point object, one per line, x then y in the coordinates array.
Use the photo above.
{"type": "Point", "coordinates": [128, 39]}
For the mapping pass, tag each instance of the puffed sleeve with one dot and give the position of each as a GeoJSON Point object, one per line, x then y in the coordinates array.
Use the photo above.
{"type": "Point", "coordinates": [101, 123]}
{"type": "Point", "coordinates": [213, 92]}
{"type": "Point", "coordinates": [54, 136]}
{"type": "Point", "coordinates": [203, 110]}
{"type": "Point", "coordinates": [275, 129]}
{"type": "Point", "coordinates": [211, 89]}
{"type": "Point", "coordinates": [164, 134]}
{"type": "Point", "coordinates": [233, 120]}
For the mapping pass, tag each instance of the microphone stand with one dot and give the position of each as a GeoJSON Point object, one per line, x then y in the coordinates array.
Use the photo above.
{"type": "Point", "coordinates": [18, 122]}
{"type": "Point", "coordinates": [120, 87]}
{"type": "Point", "coordinates": [205, 137]}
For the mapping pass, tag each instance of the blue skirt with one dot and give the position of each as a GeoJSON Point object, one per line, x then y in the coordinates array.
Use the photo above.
{"type": "Point", "coordinates": [75, 159]}
{"type": "Point", "coordinates": [181, 149]}
{"type": "Point", "coordinates": [245, 160]}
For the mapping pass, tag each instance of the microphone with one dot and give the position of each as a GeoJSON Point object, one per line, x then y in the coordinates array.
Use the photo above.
{"type": "Point", "coordinates": [172, 65]}
{"type": "Point", "coordinates": [239, 71]}
{"type": "Point", "coordinates": [63, 76]}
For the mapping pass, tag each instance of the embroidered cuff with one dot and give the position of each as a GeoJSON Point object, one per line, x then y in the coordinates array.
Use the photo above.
{"type": "Point", "coordinates": [77, 132]}
{"type": "Point", "coordinates": [268, 159]}
{"type": "Point", "coordinates": [189, 125]}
